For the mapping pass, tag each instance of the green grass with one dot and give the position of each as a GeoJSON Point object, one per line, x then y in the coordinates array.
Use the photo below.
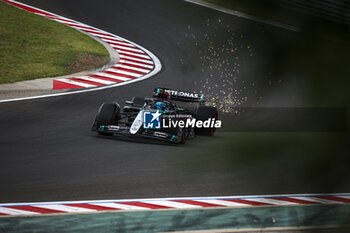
{"type": "Point", "coordinates": [33, 47]}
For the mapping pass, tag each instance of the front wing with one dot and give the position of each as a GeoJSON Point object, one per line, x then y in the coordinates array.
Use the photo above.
{"type": "Point", "coordinates": [125, 131]}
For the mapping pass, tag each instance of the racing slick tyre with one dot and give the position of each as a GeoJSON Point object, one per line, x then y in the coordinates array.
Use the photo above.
{"type": "Point", "coordinates": [204, 113]}
{"type": "Point", "coordinates": [107, 115]}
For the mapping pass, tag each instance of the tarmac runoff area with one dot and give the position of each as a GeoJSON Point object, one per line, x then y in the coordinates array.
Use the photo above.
{"type": "Point", "coordinates": [44, 86]}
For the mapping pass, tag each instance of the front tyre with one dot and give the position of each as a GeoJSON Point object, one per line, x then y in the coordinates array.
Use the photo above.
{"type": "Point", "coordinates": [204, 113]}
{"type": "Point", "coordinates": [107, 115]}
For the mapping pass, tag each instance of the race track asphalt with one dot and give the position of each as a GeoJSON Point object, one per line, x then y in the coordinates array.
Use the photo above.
{"type": "Point", "coordinates": [48, 153]}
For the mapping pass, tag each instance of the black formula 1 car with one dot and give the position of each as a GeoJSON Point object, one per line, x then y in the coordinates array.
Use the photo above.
{"type": "Point", "coordinates": [159, 117]}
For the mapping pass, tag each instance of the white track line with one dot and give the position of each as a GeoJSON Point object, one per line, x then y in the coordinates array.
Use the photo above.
{"type": "Point", "coordinates": [244, 15]}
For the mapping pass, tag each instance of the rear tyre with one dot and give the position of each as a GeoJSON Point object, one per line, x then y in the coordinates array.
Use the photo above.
{"type": "Point", "coordinates": [107, 115]}
{"type": "Point", "coordinates": [204, 113]}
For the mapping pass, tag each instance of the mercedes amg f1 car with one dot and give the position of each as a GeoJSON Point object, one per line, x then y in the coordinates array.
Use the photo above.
{"type": "Point", "coordinates": [159, 117]}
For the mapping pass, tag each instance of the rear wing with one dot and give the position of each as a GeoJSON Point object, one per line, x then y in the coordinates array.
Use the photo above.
{"type": "Point", "coordinates": [179, 95]}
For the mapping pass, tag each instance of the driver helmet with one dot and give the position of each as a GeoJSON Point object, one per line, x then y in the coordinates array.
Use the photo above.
{"type": "Point", "coordinates": [160, 106]}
